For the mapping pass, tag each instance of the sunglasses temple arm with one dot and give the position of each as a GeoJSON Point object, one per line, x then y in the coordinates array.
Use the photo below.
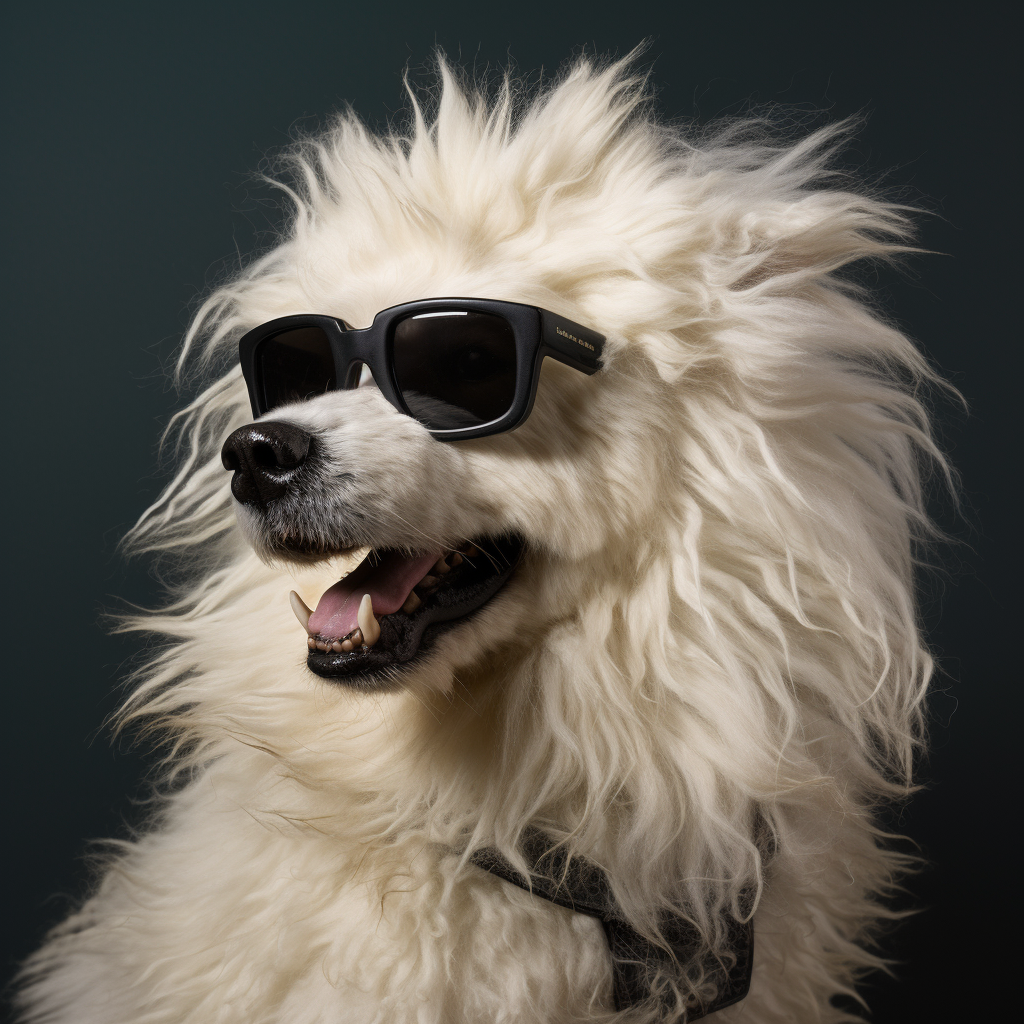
{"type": "Point", "coordinates": [570, 343]}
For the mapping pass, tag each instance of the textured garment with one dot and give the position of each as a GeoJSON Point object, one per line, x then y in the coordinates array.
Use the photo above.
{"type": "Point", "coordinates": [584, 888]}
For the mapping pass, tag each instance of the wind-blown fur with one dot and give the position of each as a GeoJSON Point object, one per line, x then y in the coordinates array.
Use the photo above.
{"type": "Point", "coordinates": [705, 676]}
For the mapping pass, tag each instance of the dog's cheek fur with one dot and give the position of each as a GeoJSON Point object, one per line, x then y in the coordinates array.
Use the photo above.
{"type": "Point", "coordinates": [589, 466]}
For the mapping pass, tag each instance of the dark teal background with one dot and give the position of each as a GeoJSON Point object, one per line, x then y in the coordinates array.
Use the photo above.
{"type": "Point", "coordinates": [131, 134]}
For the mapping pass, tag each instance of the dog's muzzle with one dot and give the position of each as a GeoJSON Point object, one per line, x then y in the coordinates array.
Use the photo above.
{"type": "Point", "coordinates": [397, 602]}
{"type": "Point", "coordinates": [264, 457]}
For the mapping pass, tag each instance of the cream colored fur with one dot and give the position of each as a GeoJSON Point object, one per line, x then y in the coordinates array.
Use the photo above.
{"type": "Point", "coordinates": [713, 634]}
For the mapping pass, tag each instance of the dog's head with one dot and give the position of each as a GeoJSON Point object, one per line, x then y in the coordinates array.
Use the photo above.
{"type": "Point", "coordinates": [441, 527]}
{"type": "Point", "coordinates": [471, 548]}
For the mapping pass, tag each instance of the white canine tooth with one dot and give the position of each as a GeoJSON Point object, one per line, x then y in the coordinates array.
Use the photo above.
{"type": "Point", "coordinates": [412, 602]}
{"type": "Point", "coordinates": [302, 613]}
{"type": "Point", "coordinates": [368, 625]}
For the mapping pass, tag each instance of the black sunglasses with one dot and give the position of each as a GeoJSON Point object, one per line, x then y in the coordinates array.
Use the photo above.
{"type": "Point", "coordinates": [461, 367]}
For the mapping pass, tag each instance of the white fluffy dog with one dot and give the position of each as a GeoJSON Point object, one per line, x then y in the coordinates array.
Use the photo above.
{"type": "Point", "coordinates": [699, 681]}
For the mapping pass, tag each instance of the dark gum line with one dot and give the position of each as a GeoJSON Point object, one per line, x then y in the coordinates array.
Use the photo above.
{"type": "Point", "coordinates": [380, 618]}
{"type": "Point", "coordinates": [510, 549]}
{"type": "Point", "coordinates": [424, 602]}
{"type": "Point", "coordinates": [457, 570]}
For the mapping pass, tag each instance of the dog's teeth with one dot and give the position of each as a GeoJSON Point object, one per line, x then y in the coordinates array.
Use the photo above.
{"type": "Point", "coordinates": [347, 645]}
{"type": "Point", "coordinates": [322, 645]}
{"type": "Point", "coordinates": [302, 612]}
{"type": "Point", "coordinates": [369, 626]}
{"type": "Point", "coordinates": [336, 647]}
{"type": "Point", "coordinates": [412, 602]}
{"type": "Point", "coordinates": [471, 550]}
{"type": "Point", "coordinates": [441, 566]}
{"type": "Point", "coordinates": [428, 582]}
{"type": "Point", "coordinates": [455, 559]}
{"type": "Point", "coordinates": [356, 636]}
{"type": "Point", "coordinates": [311, 643]}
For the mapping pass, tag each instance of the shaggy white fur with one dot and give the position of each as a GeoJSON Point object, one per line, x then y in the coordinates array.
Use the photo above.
{"type": "Point", "coordinates": [712, 635]}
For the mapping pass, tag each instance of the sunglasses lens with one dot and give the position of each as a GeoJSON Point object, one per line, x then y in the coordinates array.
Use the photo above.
{"type": "Point", "coordinates": [455, 369]}
{"type": "Point", "coordinates": [295, 365]}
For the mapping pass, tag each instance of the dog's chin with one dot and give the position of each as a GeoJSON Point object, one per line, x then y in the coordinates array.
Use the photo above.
{"type": "Point", "coordinates": [473, 574]}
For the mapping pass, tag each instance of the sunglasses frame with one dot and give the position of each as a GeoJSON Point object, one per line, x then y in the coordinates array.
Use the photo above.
{"type": "Point", "coordinates": [537, 332]}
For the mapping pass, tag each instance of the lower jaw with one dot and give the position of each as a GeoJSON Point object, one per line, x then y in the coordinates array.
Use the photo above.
{"type": "Point", "coordinates": [406, 638]}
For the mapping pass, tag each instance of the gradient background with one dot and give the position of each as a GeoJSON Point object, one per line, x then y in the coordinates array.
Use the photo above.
{"type": "Point", "coordinates": [132, 137]}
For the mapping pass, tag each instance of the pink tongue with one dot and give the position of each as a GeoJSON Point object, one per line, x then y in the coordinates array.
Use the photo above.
{"type": "Point", "coordinates": [389, 582]}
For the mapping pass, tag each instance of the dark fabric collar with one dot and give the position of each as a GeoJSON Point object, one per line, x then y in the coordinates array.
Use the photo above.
{"type": "Point", "coordinates": [583, 887]}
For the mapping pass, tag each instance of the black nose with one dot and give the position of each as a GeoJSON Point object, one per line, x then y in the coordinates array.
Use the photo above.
{"type": "Point", "coordinates": [264, 458]}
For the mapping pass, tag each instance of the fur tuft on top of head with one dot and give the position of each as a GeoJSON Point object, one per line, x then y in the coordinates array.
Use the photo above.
{"type": "Point", "coordinates": [711, 658]}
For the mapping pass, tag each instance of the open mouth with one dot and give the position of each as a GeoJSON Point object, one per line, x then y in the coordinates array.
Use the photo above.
{"type": "Point", "coordinates": [394, 605]}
